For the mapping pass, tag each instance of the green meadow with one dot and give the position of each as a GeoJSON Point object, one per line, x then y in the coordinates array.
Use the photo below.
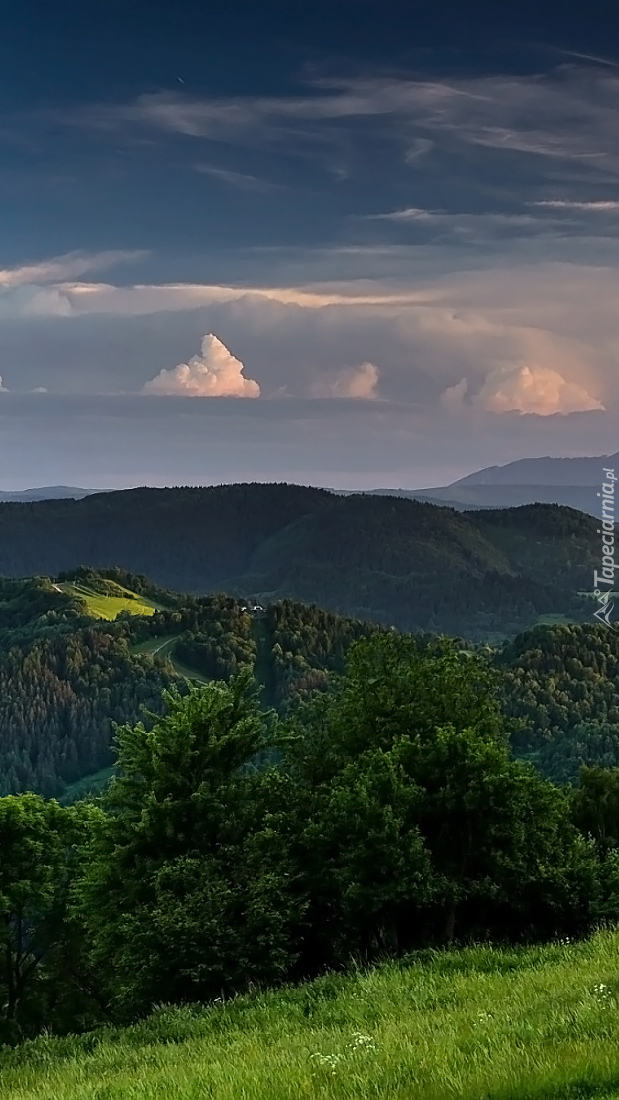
{"type": "Point", "coordinates": [102, 606]}
{"type": "Point", "coordinates": [479, 1022]}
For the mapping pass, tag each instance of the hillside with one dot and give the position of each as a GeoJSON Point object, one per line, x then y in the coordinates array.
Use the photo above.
{"type": "Point", "coordinates": [238, 850]}
{"type": "Point", "coordinates": [70, 668]}
{"type": "Point", "coordinates": [562, 685]}
{"type": "Point", "coordinates": [88, 649]}
{"type": "Point", "coordinates": [399, 562]}
{"type": "Point", "coordinates": [536, 1022]}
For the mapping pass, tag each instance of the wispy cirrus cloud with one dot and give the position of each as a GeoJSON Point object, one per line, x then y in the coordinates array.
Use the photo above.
{"type": "Point", "coordinates": [72, 265]}
{"type": "Point", "coordinates": [569, 113]}
{"type": "Point", "coordinates": [595, 206]}
{"type": "Point", "coordinates": [458, 220]}
{"type": "Point", "coordinates": [243, 181]}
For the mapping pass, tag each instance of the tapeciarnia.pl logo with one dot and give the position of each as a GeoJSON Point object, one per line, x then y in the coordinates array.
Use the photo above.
{"type": "Point", "coordinates": [605, 596]}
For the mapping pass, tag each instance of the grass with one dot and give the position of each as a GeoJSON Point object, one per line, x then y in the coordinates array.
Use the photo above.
{"type": "Point", "coordinates": [164, 647]}
{"type": "Point", "coordinates": [101, 606]}
{"type": "Point", "coordinates": [536, 1023]}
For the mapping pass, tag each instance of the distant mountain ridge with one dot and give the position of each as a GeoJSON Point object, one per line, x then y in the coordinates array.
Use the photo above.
{"type": "Point", "coordinates": [401, 562]}
{"type": "Point", "coordinates": [543, 471]}
{"type": "Point", "coordinates": [570, 482]}
{"type": "Point", "coordinates": [46, 492]}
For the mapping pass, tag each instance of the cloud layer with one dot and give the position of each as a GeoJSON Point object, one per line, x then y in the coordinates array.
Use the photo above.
{"type": "Point", "coordinates": [213, 373]}
{"type": "Point", "coordinates": [464, 290]}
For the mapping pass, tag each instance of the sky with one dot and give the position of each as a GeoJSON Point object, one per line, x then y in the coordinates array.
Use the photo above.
{"type": "Point", "coordinates": [352, 243]}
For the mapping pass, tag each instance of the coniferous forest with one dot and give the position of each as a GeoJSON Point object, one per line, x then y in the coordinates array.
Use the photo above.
{"type": "Point", "coordinates": [211, 795]}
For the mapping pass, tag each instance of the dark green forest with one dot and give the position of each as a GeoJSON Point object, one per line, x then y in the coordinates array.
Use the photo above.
{"type": "Point", "coordinates": [67, 678]}
{"type": "Point", "coordinates": [481, 574]}
{"type": "Point", "coordinates": [204, 794]}
{"type": "Point", "coordinates": [237, 849]}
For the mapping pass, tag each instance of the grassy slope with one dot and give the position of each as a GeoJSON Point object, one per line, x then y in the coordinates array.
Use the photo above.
{"type": "Point", "coordinates": [164, 647]}
{"type": "Point", "coordinates": [109, 607]}
{"type": "Point", "coordinates": [479, 1023]}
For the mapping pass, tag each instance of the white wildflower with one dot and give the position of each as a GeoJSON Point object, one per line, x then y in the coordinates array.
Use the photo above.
{"type": "Point", "coordinates": [361, 1042]}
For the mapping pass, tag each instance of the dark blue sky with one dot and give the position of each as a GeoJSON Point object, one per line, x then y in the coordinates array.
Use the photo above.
{"type": "Point", "coordinates": [398, 209]}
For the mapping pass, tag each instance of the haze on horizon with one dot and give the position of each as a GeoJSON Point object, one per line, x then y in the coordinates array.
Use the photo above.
{"type": "Point", "coordinates": [354, 243]}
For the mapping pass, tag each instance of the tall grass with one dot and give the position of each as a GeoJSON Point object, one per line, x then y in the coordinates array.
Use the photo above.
{"type": "Point", "coordinates": [478, 1024]}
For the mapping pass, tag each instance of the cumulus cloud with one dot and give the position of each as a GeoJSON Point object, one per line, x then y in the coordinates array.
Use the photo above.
{"type": "Point", "coordinates": [428, 323]}
{"type": "Point", "coordinates": [213, 373]}
{"type": "Point", "coordinates": [359, 382]}
{"type": "Point", "coordinates": [524, 389]}
{"type": "Point", "coordinates": [3, 388]}
{"type": "Point", "coordinates": [453, 397]}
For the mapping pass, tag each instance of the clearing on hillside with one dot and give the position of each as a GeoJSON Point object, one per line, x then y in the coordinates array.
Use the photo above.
{"type": "Point", "coordinates": [103, 606]}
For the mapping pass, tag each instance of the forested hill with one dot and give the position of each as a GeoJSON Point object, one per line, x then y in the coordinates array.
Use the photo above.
{"type": "Point", "coordinates": [395, 561]}
{"type": "Point", "coordinates": [69, 668]}
{"type": "Point", "coordinates": [88, 649]}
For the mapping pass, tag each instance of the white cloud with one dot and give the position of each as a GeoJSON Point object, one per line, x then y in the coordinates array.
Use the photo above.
{"type": "Point", "coordinates": [426, 327]}
{"type": "Point", "coordinates": [484, 225]}
{"type": "Point", "coordinates": [213, 373]}
{"type": "Point", "coordinates": [27, 302]}
{"type": "Point", "coordinates": [69, 266]}
{"type": "Point", "coordinates": [408, 214]}
{"type": "Point", "coordinates": [569, 113]}
{"type": "Point", "coordinates": [598, 206]}
{"type": "Point", "coordinates": [358, 382]}
{"type": "Point", "coordinates": [453, 397]}
{"type": "Point", "coordinates": [3, 388]}
{"type": "Point", "coordinates": [89, 298]}
{"type": "Point", "coordinates": [242, 180]}
{"type": "Point", "coordinates": [533, 389]}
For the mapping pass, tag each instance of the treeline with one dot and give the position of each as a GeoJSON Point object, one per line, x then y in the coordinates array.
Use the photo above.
{"type": "Point", "coordinates": [389, 816]}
